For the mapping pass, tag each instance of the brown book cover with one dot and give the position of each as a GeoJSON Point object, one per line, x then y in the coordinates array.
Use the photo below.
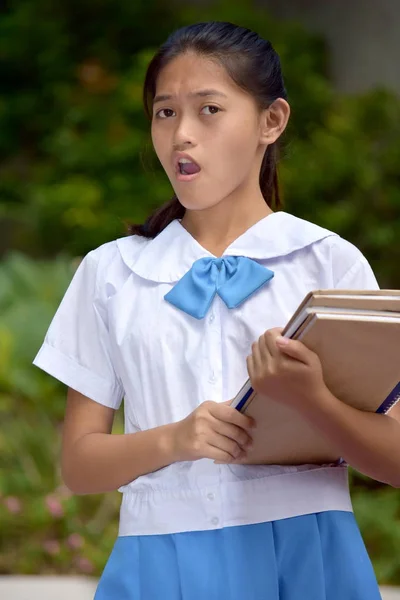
{"type": "Point", "coordinates": [376, 300]}
{"type": "Point", "coordinates": [359, 355]}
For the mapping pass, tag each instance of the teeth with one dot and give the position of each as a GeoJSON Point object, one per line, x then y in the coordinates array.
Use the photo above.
{"type": "Point", "coordinates": [184, 160]}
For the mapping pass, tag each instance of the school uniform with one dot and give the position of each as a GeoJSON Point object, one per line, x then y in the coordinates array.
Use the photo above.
{"type": "Point", "coordinates": [166, 325]}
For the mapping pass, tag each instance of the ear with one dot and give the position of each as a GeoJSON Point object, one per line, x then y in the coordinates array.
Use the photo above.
{"type": "Point", "coordinates": [274, 120]}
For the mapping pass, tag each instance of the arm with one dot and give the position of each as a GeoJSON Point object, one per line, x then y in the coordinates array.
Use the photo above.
{"type": "Point", "coordinates": [95, 461]}
{"type": "Point", "coordinates": [369, 442]}
{"type": "Point", "coordinates": [292, 374]}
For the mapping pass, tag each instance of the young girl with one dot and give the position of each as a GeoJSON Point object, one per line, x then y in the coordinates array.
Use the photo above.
{"type": "Point", "coordinates": [174, 317]}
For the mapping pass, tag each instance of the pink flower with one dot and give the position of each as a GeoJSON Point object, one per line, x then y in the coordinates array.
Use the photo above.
{"type": "Point", "coordinates": [13, 504]}
{"type": "Point", "coordinates": [54, 506]}
{"type": "Point", "coordinates": [52, 547]}
{"type": "Point", "coordinates": [84, 565]}
{"type": "Point", "coordinates": [75, 541]}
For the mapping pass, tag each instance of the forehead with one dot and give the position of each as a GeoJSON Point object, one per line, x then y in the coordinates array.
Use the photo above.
{"type": "Point", "coordinates": [190, 71]}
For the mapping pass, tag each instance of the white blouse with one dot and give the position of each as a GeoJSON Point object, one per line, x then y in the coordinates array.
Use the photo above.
{"type": "Point", "coordinates": [115, 337]}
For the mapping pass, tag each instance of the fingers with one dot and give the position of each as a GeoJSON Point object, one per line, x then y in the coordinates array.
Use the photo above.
{"type": "Point", "coordinates": [233, 432]}
{"type": "Point", "coordinates": [228, 414]}
{"type": "Point", "coordinates": [228, 438]}
{"type": "Point", "coordinates": [264, 350]}
{"type": "Point", "coordinates": [296, 349]}
{"type": "Point", "coordinates": [260, 359]}
{"type": "Point", "coordinates": [268, 341]}
{"type": "Point", "coordinates": [250, 367]}
{"type": "Point", "coordinates": [219, 443]}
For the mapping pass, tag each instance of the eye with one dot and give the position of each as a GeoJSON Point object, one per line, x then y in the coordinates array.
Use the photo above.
{"type": "Point", "coordinates": [162, 110]}
{"type": "Point", "coordinates": [211, 106]}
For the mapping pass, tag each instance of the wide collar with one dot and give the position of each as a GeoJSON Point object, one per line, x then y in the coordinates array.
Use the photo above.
{"type": "Point", "coordinates": [167, 257]}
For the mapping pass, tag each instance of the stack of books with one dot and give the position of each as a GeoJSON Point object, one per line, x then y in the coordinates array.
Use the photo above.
{"type": "Point", "coordinates": [356, 335]}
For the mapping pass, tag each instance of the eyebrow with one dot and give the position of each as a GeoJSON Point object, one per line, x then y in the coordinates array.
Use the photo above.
{"type": "Point", "coordinates": [201, 93]}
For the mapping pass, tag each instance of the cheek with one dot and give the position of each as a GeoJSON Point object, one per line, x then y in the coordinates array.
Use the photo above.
{"type": "Point", "coordinates": [159, 144]}
{"type": "Point", "coordinates": [236, 149]}
{"type": "Point", "coordinates": [236, 163]}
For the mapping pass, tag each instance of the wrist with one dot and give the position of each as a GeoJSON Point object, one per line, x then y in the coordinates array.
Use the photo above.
{"type": "Point", "coordinates": [168, 443]}
{"type": "Point", "coordinates": [325, 403]}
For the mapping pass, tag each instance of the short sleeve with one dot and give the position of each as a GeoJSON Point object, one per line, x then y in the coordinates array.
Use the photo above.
{"type": "Point", "coordinates": [76, 349]}
{"type": "Point", "coordinates": [351, 270]}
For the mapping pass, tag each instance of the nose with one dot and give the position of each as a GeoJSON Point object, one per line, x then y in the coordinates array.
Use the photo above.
{"type": "Point", "coordinates": [184, 133]}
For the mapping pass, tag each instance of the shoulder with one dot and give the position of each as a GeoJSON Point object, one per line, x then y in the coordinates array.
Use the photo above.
{"type": "Point", "coordinates": [109, 264]}
{"type": "Point", "coordinates": [345, 261]}
{"type": "Point", "coordinates": [342, 261]}
{"type": "Point", "coordinates": [350, 268]}
{"type": "Point", "coordinates": [118, 250]}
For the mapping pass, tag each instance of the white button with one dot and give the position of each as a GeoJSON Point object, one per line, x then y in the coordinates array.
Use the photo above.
{"type": "Point", "coordinates": [211, 496]}
{"type": "Point", "coordinates": [212, 377]}
{"type": "Point", "coordinates": [215, 520]}
{"type": "Point", "coordinates": [212, 317]}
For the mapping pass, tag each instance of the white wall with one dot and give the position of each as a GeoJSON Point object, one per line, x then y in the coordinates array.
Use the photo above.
{"type": "Point", "coordinates": [363, 36]}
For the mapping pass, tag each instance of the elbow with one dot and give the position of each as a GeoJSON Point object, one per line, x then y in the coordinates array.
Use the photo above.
{"type": "Point", "coordinates": [73, 481]}
{"type": "Point", "coordinates": [78, 482]}
{"type": "Point", "coordinates": [392, 479]}
{"type": "Point", "coordinates": [75, 487]}
{"type": "Point", "coordinates": [395, 483]}
{"type": "Point", "coordinates": [72, 485]}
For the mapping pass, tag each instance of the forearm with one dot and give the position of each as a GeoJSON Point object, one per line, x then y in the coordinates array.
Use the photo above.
{"type": "Point", "coordinates": [102, 462]}
{"type": "Point", "coordinates": [369, 442]}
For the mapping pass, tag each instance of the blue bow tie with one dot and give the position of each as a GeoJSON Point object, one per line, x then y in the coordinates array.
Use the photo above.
{"type": "Point", "coordinates": [233, 278]}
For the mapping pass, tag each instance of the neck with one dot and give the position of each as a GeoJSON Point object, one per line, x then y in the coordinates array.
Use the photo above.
{"type": "Point", "coordinates": [216, 228]}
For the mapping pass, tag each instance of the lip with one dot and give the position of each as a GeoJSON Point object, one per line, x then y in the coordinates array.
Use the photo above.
{"type": "Point", "coordinates": [178, 174]}
{"type": "Point", "coordinates": [181, 177]}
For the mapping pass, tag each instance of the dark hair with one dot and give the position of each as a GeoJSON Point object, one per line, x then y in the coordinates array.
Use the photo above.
{"type": "Point", "coordinates": [253, 65]}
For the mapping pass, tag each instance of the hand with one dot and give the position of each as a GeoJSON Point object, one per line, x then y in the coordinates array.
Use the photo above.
{"type": "Point", "coordinates": [286, 371]}
{"type": "Point", "coordinates": [214, 430]}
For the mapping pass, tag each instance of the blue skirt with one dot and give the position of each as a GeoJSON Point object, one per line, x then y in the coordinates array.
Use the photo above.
{"type": "Point", "coordinates": [312, 557]}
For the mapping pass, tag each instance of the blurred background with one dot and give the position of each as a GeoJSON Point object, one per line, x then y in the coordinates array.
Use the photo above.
{"type": "Point", "coordinates": [77, 165]}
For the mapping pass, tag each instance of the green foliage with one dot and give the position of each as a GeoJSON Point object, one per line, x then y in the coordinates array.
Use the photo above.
{"type": "Point", "coordinates": [377, 509]}
{"type": "Point", "coordinates": [71, 123]}
{"type": "Point", "coordinates": [74, 141]}
{"type": "Point", "coordinates": [73, 147]}
{"type": "Point", "coordinates": [44, 527]}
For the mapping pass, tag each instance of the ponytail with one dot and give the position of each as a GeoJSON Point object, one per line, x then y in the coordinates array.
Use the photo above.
{"type": "Point", "coordinates": [159, 220]}
{"type": "Point", "coordinates": [173, 209]}
{"type": "Point", "coordinates": [269, 182]}
{"type": "Point", "coordinates": [252, 64]}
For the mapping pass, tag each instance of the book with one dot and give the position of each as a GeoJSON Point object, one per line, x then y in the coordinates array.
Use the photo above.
{"type": "Point", "coordinates": [357, 338]}
{"type": "Point", "coordinates": [377, 300]}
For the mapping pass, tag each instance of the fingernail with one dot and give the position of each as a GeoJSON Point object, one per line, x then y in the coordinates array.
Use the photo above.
{"type": "Point", "coordinates": [282, 341]}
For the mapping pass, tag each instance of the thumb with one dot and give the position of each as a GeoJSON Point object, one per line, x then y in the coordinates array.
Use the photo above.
{"type": "Point", "coordinates": [293, 348]}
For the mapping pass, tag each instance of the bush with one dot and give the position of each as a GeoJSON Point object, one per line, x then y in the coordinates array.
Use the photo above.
{"type": "Point", "coordinates": [72, 142]}
{"type": "Point", "coordinates": [73, 138]}
{"type": "Point", "coordinates": [44, 527]}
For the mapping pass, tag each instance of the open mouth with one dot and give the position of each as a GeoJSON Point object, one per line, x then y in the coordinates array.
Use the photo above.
{"type": "Point", "coordinates": [188, 168]}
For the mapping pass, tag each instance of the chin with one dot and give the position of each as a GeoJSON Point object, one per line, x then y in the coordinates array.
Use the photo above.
{"type": "Point", "coordinates": [198, 206]}
{"type": "Point", "coordinates": [196, 201]}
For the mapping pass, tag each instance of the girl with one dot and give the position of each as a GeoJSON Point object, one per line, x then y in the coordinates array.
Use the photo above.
{"type": "Point", "coordinates": [174, 317]}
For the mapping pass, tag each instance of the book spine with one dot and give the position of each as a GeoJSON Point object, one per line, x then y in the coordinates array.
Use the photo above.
{"type": "Point", "coordinates": [384, 408]}
{"type": "Point", "coordinates": [244, 399]}
{"type": "Point", "coordinates": [390, 401]}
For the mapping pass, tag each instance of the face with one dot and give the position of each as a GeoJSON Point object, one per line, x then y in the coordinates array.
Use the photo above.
{"type": "Point", "coordinates": [224, 134]}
